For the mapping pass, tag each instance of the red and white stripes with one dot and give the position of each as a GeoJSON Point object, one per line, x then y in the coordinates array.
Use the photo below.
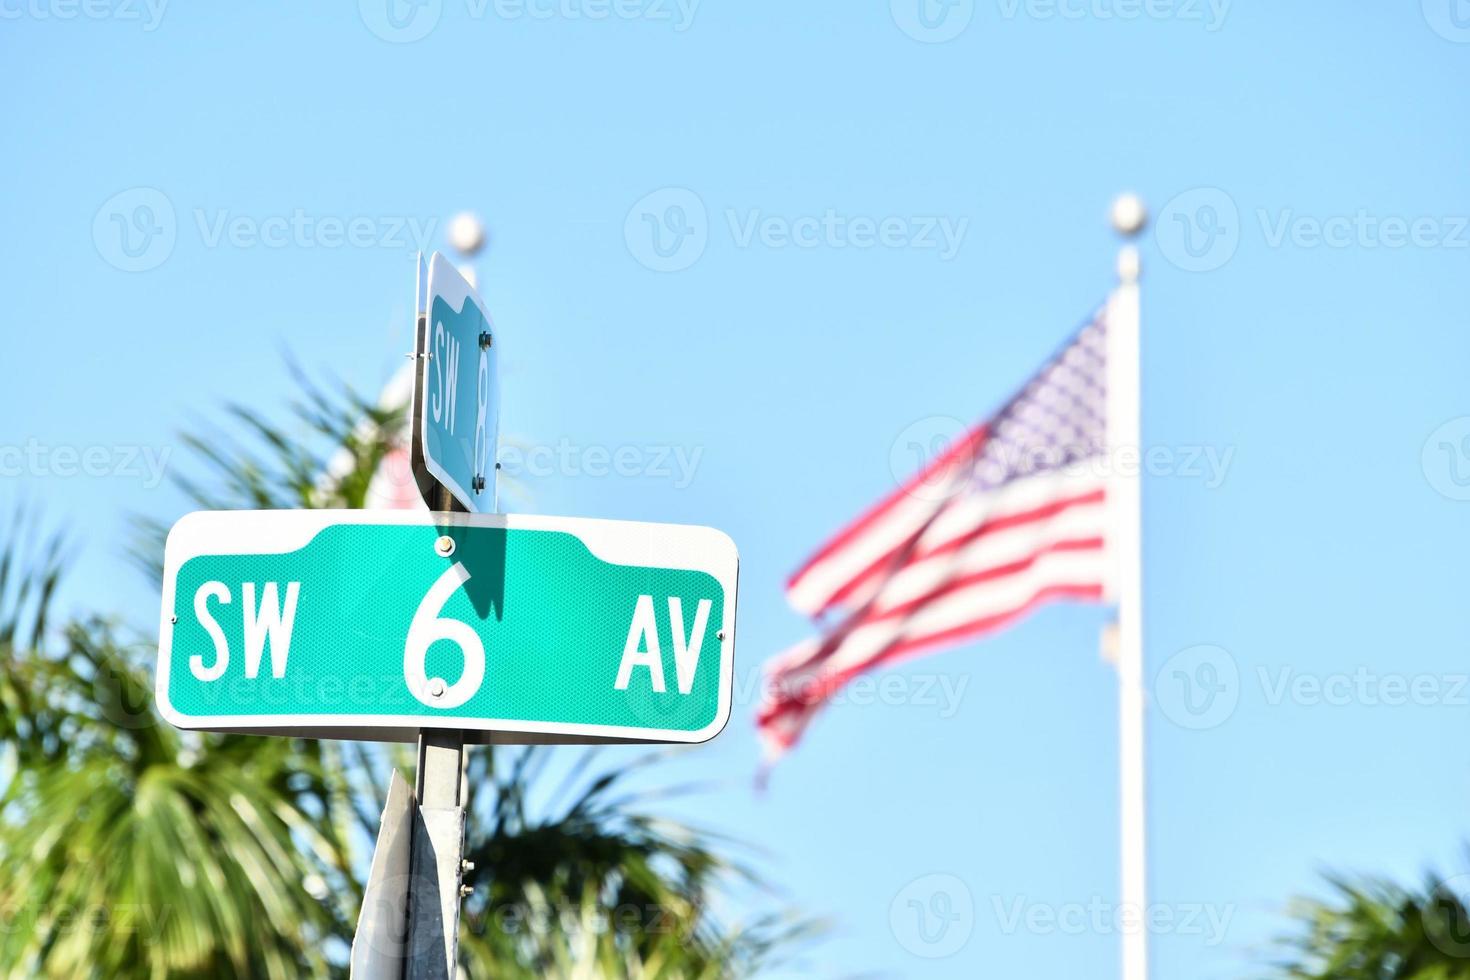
{"type": "Point", "coordinates": [1010, 516]}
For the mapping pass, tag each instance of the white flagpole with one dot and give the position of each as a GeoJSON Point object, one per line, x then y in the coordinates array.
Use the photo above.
{"type": "Point", "coordinates": [1125, 501]}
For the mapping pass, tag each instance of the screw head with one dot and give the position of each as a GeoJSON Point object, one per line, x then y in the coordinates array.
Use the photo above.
{"type": "Point", "coordinates": [486, 341]}
{"type": "Point", "coordinates": [444, 546]}
{"type": "Point", "coordinates": [436, 687]}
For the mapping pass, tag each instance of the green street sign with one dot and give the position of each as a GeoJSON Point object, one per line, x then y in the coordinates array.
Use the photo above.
{"type": "Point", "coordinates": [459, 404]}
{"type": "Point", "coordinates": [512, 628]}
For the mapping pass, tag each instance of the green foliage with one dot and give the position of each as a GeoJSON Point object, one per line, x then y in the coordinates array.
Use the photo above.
{"type": "Point", "coordinates": [130, 849]}
{"type": "Point", "coordinates": [588, 886]}
{"type": "Point", "coordinates": [1377, 930]}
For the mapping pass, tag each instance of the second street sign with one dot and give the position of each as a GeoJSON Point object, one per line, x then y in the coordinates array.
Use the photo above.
{"type": "Point", "coordinates": [459, 409]}
{"type": "Point", "coordinates": [351, 624]}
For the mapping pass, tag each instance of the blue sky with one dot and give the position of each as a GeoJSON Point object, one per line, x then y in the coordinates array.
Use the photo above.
{"type": "Point", "coordinates": [1305, 304]}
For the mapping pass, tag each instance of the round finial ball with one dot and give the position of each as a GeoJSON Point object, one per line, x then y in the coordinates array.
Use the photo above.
{"type": "Point", "coordinates": [1129, 215]}
{"type": "Point", "coordinates": [466, 233]}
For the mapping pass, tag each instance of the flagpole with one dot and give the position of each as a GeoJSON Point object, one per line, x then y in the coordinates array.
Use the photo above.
{"type": "Point", "coordinates": [1129, 216]}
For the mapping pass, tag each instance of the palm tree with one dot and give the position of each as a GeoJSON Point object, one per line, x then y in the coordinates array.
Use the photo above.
{"type": "Point", "coordinates": [1374, 929]}
{"type": "Point", "coordinates": [133, 850]}
{"type": "Point", "coordinates": [127, 849]}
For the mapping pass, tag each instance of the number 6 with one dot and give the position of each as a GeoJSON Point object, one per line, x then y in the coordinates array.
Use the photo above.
{"type": "Point", "coordinates": [427, 629]}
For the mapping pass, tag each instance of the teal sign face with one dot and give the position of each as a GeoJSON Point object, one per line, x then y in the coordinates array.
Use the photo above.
{"type": "Point", "coordinates": [355, 624]}
{"type": "Point", "coordinates": [460, 406]}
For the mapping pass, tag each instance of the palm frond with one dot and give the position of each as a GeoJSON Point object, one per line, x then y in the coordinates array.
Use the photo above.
{"type": "Point", "coordinates": [1374, 929]}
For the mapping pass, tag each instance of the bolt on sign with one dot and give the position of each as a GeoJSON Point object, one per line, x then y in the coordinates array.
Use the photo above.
{"type": "Point", "coordinates": [511, 628]}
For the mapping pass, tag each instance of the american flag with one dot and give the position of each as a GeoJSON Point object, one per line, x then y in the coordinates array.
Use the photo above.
{"type": "Point", "coordinates": [1009, 516]}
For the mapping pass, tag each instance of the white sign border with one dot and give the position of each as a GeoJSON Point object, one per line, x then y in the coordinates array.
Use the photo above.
{"type": "Point", "coordinates": [262, 532]}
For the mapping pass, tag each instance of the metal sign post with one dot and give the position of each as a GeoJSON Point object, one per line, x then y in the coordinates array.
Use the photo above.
{"type": "Point", "coordinates": [436, 880]}
{"type": "Point", "coordinates": [436, 876]}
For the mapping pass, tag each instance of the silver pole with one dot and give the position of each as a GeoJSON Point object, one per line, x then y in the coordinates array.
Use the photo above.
{"type": "Point", "coordinates": [436, 876]}
{"type": "Point", "coordinates": [437, 866]}
{"type": "Point", "coordinates": [436, 872]}
{"type": "Point", "coordinates": [1124, 493]}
